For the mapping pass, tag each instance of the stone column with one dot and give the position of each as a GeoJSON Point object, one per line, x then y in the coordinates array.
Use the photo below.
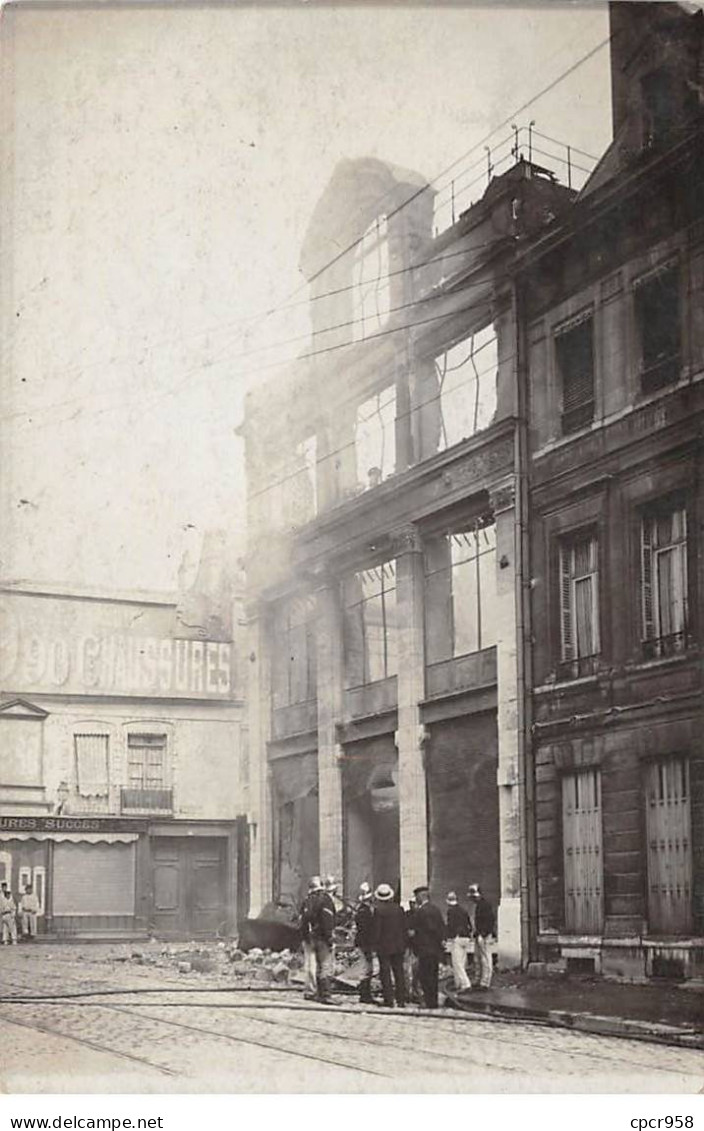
{"type": "Point", "coordinates": [502, 498]}
{"type": "Point", "coordinates": [410, 736]}
{"type": "Point", "coordinates": [330, 699]}
{"type": "Point", "coordinates": [260, 815]}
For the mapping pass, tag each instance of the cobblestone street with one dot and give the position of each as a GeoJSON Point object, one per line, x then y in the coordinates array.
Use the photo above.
{"type": "Point", "coordinates": [186, 1033]}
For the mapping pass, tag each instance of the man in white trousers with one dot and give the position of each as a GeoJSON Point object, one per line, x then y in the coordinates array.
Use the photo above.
{"type": "Point", "coordinates": [458, 936]}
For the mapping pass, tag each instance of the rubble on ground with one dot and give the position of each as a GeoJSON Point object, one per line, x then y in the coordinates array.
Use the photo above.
{"type": "Point", "coordinates": [227, 962]}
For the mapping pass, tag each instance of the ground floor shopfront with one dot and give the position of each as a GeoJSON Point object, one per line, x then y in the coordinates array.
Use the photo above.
{"type": "Point", "coordinates": [112, 878]}
{"type": "Point", "coordinates": [462, 827]}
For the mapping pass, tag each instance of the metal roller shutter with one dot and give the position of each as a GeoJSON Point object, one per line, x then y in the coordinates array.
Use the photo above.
{"type": "Point", "coordinates": [94, 879]}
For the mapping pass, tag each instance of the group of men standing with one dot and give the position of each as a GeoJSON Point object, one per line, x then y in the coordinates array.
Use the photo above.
{"type": "Point", "coordinates": [26, 908]}
{"type": "Point", "coordinates": [410, 945]}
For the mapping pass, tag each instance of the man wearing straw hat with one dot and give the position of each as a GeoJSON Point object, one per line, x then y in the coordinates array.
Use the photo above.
{"type": "Point", "coordinates": [390, 941]}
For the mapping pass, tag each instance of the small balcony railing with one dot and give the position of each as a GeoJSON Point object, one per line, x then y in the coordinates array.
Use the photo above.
{"type": "Point", "coordinates": [662, 646]}
{"type": "Point", "coordinates": [146, 800]}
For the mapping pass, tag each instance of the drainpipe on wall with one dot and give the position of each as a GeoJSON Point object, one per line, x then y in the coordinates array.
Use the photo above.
{"type": "Point", "coordinates": [524, 651]}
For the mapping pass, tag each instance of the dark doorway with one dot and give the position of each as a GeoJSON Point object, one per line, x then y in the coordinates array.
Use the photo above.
{"type": "Point", "coordinates": [189, 886]}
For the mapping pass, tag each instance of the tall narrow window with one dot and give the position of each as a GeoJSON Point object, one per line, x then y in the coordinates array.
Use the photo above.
{"type": "Point", "coordinates": [583, 865]}
{"type": "Point", "coordinates": [375, 438]}
{"type": "Point", "coordinates": [146, 755]}
{"type": "Point", "coordinates": [370, 281]}
{"type": "Point", "coordinates": [466, 377]}
{"type": "Point", "coordinates": [370, 625]}
{"type": "Point", "coordinates": [460, 590]}
{"type": "Point", "coordinates": [657, 306]}
{"type": "Point", "coordinates": [659, 106]}
{"type": "Point", "coordinates": [294, 665]}
{"type": "Point", "coordinates": [574, 350]}
{"type": "Point", "coordinates": [664, 581]}
{"type": "Point", "coordinates": [668, 822]}
{"type": "Point", "coordinates": [579, 603]}
{"type": "Point", "coordinates": [301, 483]}
{"type": "Point", "coordinates": [92, 773]}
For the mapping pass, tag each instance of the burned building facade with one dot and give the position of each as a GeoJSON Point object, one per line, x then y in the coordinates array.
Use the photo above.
{"type": "Point", "coordinates": [475, 513]}
{"type": "Point", "coordinates": [386, 547]}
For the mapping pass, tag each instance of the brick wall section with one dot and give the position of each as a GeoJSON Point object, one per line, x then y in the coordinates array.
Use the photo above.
{"type": "Point", "coordinates": [463, 806]}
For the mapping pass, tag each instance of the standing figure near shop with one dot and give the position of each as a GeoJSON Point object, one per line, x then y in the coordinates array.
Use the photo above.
{"type": "Point", "coordinates": [459, 937]}
{"type": "Point", "coordinates": [29, 909]}
{"type": "Point", "coordinates": [390, 940]}
{"type": "Point", "coordinates": [317, 926]}
{"type": "Point", "coordinates": [364, 940]}
{"type": "Point", "coordinates": [8, 915]}
{"type": "Point", "coordinates": [484, 925]}
{"type": "Point", "coordinates": [428, 944]}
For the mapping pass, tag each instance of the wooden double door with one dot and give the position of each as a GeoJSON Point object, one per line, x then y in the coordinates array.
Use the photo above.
{"type": "Point", "coordinates": [189, 886]}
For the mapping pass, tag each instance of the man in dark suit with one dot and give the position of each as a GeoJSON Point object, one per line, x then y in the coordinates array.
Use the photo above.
{"type": "Point", "coordinates": [428, 940]}
{"type": "Point", "coordinates": [484, 920]}
{"type": "Point", "coordinates": [389, 932]}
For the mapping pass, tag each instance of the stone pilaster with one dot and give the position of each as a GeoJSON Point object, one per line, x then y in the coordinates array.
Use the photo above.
{"type": "Point", "coordinates": [330, 694]}
{"type": "Point", "coordinates": [259, 787]}
{"type": "Point", "coordinates": [508, 775]}
{"type": "Point", "coordinates": [410, 736]}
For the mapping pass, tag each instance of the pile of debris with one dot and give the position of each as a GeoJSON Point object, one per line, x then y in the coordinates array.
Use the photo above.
{"type": "Point", "coordinates": [256, 966]}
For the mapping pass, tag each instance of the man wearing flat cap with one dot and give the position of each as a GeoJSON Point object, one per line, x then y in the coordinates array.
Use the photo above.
{"type": "Point", "coordinates": [428, 944]}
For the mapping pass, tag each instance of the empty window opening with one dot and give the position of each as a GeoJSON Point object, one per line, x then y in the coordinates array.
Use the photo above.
{"type": "Point", "coordinates": [294, 653]}
{"type": "Point", "coordinates": [466, 377]}
{"type": "Point", "coordinates": [302, 484]}
{"type": "Point", "coordinates": [371, 292]}
{"type": "Point", "coordinates": [375, 438]}
{"type": "Point", "coordinates": [659, 110]}
{"type": "Point", "coordinates": [460, 578]}
{"type": "Point", "coordinates": [579, 604]}
{"type": "Point", "coordinates": [574, 351]}
{"type": "Point", "coordinates": [657, 304]}
{"type": "Point", "coordinates": [668, 826]}
{"type": "Point", "coordinates": [370, 625]}
{"type": "Point", "coordinates": [582, 852]}
{"type": "Point", "coordinates": [664, 582]}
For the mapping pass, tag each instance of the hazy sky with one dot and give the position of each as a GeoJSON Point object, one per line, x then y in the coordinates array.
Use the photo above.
{"type": "Point", "coordinates": [159, 166]}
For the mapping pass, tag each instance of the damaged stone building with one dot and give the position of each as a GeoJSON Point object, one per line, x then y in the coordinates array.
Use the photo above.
{"type": "Point", "coordinates": [475, 508]}
{"type": "Point", "coordinates": [386, 549]}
